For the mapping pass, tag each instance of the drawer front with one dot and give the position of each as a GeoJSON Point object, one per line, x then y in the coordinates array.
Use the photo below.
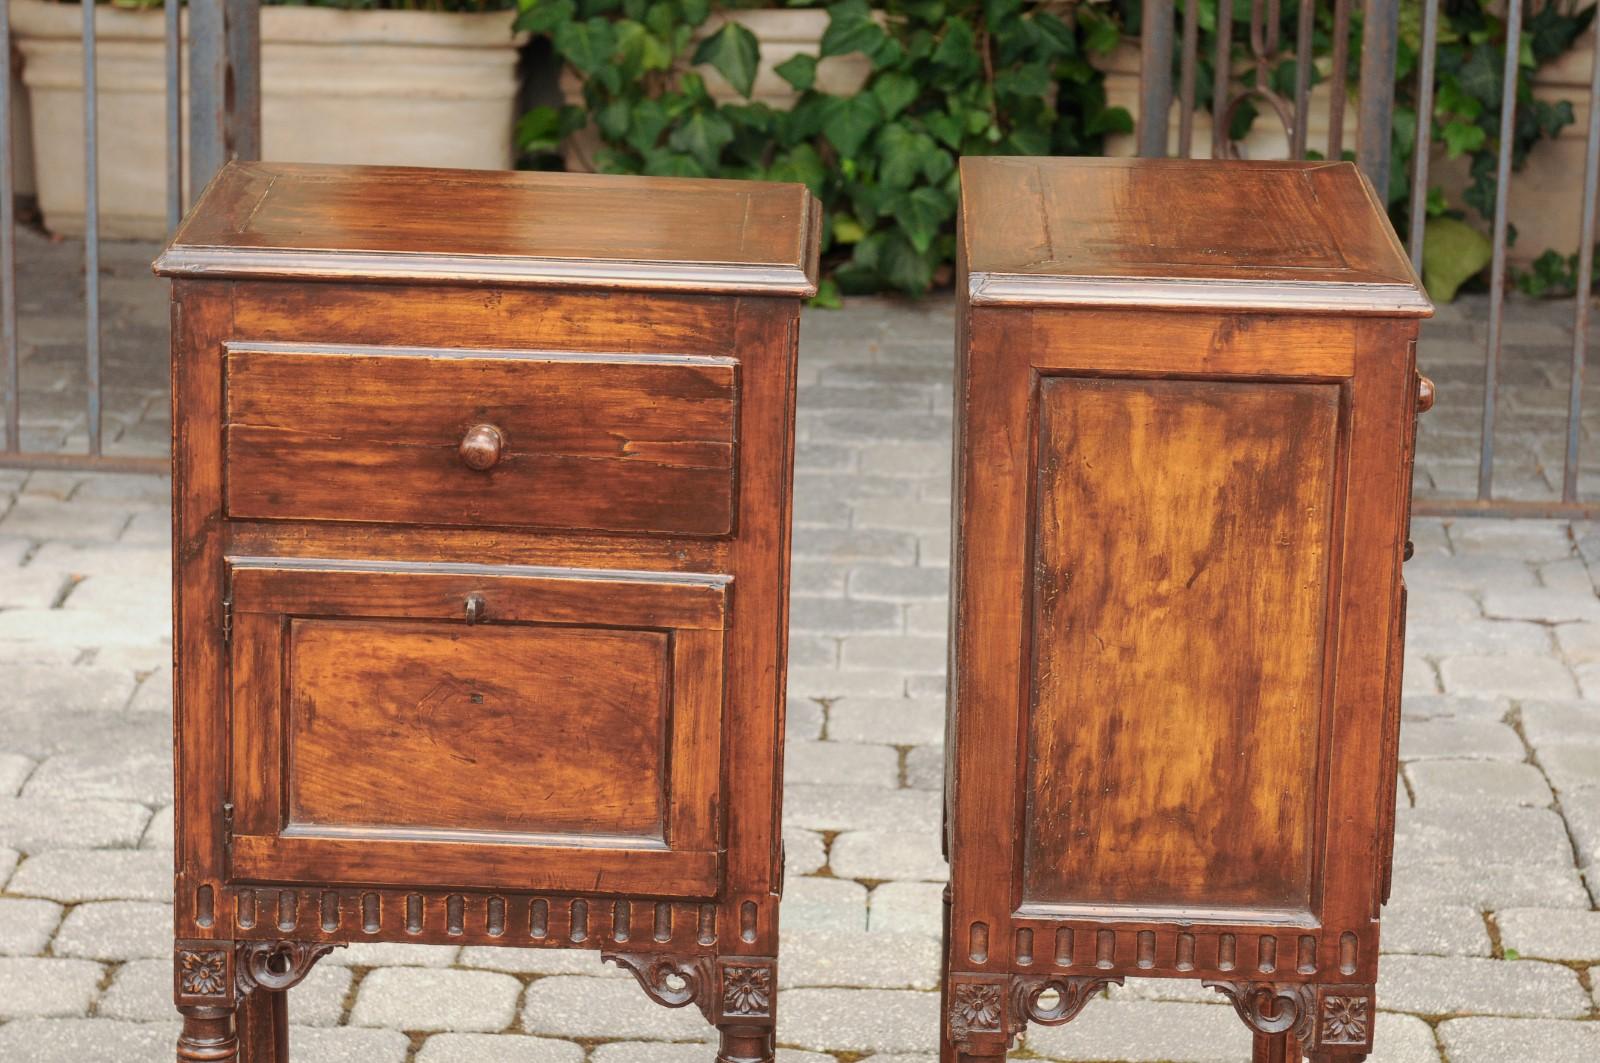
{"type": "Point", "coordinates": [616, 443]}
{"type": "Point", "coordinates": [463, 725]}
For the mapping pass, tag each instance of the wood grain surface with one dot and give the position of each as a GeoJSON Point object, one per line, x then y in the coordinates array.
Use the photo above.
{"type": "Point", "coordinates": [591, 442]}
{"type": "Point", "coordinates": [487, 728]}
{"type": "Point", "coordinates": [1181, 538]}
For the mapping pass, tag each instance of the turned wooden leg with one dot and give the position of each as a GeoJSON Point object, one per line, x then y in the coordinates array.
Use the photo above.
{"type": "Point", "coordinates": [1275, 1048]}
{"type": "Point", "coordinates": [947, 1050]}
{"type": "Point", "coordinates": [980, 1057]}
{"type": "Point", "coordinates": [208, 1036]}
{"type": "Point", "coordinates": [264, 1027]}
{"type": "Point", "coordinates": [746, 1044]}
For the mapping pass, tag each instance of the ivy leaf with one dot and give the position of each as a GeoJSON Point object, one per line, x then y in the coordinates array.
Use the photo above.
{"type": "Point", "coordinates": [541, 130]}
{"type": "Point", "coordinates": [1029, 79]}
{"type": "Point", "coordinates": [672, 164]}
{"type": "Point", "coordinates": [846, 230]}
{"type": "Point", "coordinates": [1452, 252]}
{"type": "Point", "coordinates": [588, 46]}
{"type": "Point", "coordinates": [735, 53]}
{"type": "Point", "coordinates": [543, 16]}
{"type": "Point", "coordinates": [958, 49]}
{"type": "Point", "coordinates": [799, 70]}
{"type": "Point", "coordinates": [903, 266]}
{"type": "Point", "coordinates": [1479, 76]}
{"type": "Point", "coordinates": [695, 12]}
{"type": "Point", "coordinates": [945, 126]}
{"type": "Point", "coordinates": [1461, 137]}
{"type": "Point", "coordinates": [849, 120]}
{"type": "Point", "coordinates": [703, 136]}
{"type": "Point", "coordinates": [649, 122]}
{"type": "Point", "coordinates": [803, 164]}
{"type": "Point", "coordinates": [851, 28]}
{"type": "Point", "coordinates": [895, 91]}
{"type": "Point", "coordinates": [827, 297]}
{"type": "Point", "coordinates": [922, 216]}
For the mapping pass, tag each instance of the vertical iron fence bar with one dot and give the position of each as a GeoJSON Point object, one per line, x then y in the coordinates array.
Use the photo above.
{"type": "Point", "coordinates": [1580, 328]}
{"type": "Point", "coordinates": [174, 48]}
{"type": "Point", "coordinates": [224, 86]}
{"type": "Point", "coordinates": [1379, 32]}
{"type": "Point", "coordinates": [1424, 144]}
{"type": "Point", "coordinates": [8, 250]}
{"type": "Point", "coordinates": [1497, 264]}
{"type": "Point", "coordinates": [1221, 79]}
{"type": "Point", "coordinates": [1302, 80]}
{"type": "Point", "coordinates": [1189, 63]}
{"type": "Point", "coordinates": [1338, 78]}
{"type": "Point", "coordinates": [91, 231]}
{"type": "Point", "coordinates": [1155, 77]}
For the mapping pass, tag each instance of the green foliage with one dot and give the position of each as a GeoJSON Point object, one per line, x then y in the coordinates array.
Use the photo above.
{"type": "Point", "coordinates": [948, 78]}
{"type": "Point", "coordinates": [1452, 253]}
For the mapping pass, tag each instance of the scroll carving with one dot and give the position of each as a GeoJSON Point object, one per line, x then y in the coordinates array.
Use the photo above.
{"type": "Point", "coordinates": [1269, 1008]}
{"type": "Point", "coordinates": [277, 965]}
{"type": "Point", "coordinates": [670, 982]}
{"type": "Point", "coordinates": [1072, 993]}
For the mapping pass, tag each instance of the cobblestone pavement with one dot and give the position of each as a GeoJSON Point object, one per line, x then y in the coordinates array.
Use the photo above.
{"type": "Point", "coordinates": [1493, 936]}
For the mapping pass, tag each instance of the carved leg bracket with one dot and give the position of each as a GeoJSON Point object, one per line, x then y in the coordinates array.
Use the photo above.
{"type": "Point", "coordinates": [736, 994]}
{"type": "Point", "coordinates": [1330, 1022]}
{"type": "Point", "coordinates": [984, 1013]}
{"type": "Point", "coordinates": [212, 978]}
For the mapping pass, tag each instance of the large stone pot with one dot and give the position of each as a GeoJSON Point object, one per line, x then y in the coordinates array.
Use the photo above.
{"type": "Point", "coordinates": [390, 87]}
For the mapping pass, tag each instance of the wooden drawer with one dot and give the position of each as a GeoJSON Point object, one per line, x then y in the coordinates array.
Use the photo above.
{"type": "Point", "coordinates": [467, 725]}
{"type": "Point", "coordinates": [596, 442]}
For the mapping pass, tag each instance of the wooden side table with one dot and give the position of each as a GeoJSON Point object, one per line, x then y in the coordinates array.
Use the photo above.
{"type": "Point", "coordinates": [1185, 405]}
{"type": "Point", "coordinates": [480, 528]}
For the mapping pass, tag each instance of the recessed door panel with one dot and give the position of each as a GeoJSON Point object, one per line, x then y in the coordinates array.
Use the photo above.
{"type": "Point", "coordinates": [447, 726]}
{"type": "Point", "coordinates": [1182, 536]}
{"type": "Point", "coordinates": [470, 725]}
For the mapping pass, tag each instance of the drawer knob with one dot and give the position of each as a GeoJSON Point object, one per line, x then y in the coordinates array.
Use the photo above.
{"type": "Point", "coordinates": [1424, 394]}
{"type": "Point", "coordinates": [480, 447]}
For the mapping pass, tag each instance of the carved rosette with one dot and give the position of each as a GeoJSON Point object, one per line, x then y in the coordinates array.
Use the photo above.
{"type": "Point", "coordinates": [747, 991]}
{"type": "Point", "coordinates": [978, 1011]}
{"type": "Point", "coordinates": [1344, 1018]}
{"type": "Point", "coordinates": [278, 965]}
{"type": "Point", "coordinates": [203, 973]}
{"type": "Point", "coordinates": [669, 981]}
{"type": "Point", "coordinates": [1072, 993]}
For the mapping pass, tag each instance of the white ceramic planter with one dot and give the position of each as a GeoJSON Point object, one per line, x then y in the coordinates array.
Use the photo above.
{"type": "Point", "coordinates": [380, 87]}
{"type": "Point", "coordinates": [782, 34]}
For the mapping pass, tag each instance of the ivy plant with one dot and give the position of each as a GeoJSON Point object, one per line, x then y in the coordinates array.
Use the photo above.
{"type": "Point", "coordinates": [947, 78]}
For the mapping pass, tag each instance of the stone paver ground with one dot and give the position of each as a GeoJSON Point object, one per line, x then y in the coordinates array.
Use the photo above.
{"type": "Point", "coordinates": [1494, 936]}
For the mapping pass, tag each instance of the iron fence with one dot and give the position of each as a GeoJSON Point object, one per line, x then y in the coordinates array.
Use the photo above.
{"type": "Point", "coordinates": [223, 61]}
{"type": "Point", "coordinates": [1376, 98]}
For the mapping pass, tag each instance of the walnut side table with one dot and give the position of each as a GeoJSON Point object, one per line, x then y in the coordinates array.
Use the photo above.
{"type": "Point", "coordinates": [1185, 402]}
{"type": "Point", "coordinates": [480, 531]}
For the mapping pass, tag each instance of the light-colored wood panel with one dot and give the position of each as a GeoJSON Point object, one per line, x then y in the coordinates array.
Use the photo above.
{"type": "Point", "coordinates": [1181, 555]}
{"type": "Point", "coordinates": [474, 727]}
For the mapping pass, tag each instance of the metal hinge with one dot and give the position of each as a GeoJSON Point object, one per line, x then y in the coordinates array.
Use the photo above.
{"type": "Point", "coordinates": [227, 620]}
{"type": "Point", "coordinates": [227, 830]}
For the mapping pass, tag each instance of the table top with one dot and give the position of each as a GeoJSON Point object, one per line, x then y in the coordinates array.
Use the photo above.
{"type": "Point", "coordinates": [393, 223]}
{"type": "Point", "coordinates": [1182, 233]}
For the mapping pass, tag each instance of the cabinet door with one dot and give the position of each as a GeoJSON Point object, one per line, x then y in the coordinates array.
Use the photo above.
{"type": "Point", "coordinates": [1183, 535]}
{"type": "Point", "coordinates": [467, 725]}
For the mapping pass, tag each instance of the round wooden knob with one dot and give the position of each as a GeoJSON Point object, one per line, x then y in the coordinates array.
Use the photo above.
{"type": "Point", "coordinates": [1424, 394]}
{"type": "Point", "coordinates": [480, 447]}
